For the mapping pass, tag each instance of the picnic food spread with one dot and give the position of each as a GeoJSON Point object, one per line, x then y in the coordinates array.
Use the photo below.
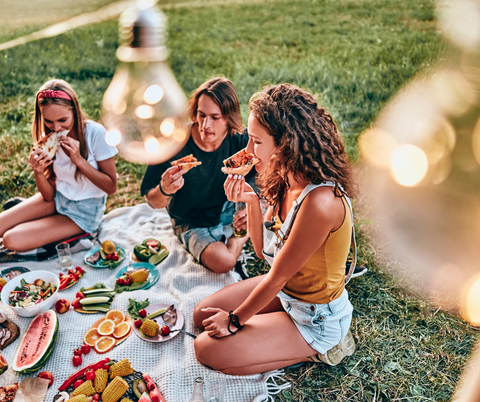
{"type": "Point", "coordinates": [186, 163]}
{"type": "Point", "coordinates": [50, 143]}
{"type": "Point", "coordinates": [96, 299]}
{"type": "Point", "coordinates": [29, 294]}
{"type": "Point", "coordinates": [151, 251]}
{"type": "Point", "coordinates": [106, 256]}
{"type": "Point", "coordinates": [240, 163]}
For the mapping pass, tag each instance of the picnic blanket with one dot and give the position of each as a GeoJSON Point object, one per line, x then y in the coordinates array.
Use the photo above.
{"type": "Point", "coordinates": [182, 282]}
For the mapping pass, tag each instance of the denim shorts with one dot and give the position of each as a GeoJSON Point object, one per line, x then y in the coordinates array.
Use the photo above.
{"type": "Point", "coordinates": [323, 326]}
{"type": "Point", "coordinates": [87, 214]}
{"type": "Point", "coordinates": [197, 239]}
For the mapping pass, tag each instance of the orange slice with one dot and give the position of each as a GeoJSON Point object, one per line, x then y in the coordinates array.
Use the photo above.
{"type": "Point", "coordinates": [116, 315]}
{"type": "Point", "coordinates": [122, 329]}
{"type": "Point", "coordinates": [104, 344]}
{"type": "Point", "coordinates": [106, 327]}
{"type": "Point", "coordinates": [91, 337]}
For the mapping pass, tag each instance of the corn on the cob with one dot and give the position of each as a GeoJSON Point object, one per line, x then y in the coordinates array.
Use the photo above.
{"type": "Point", "coordinates": [115, 390]}
{"type": "Point", "coordinates": [149, 328]}
{"type": "Point", "coordinates": [85, 389]}
{"type": "Point", "coordinates": [122, 368]}
{"type": "Point", "coordinates": [78, 398]}
{"type": "Point", "coordinates": [126, 400]}
{"type": "Point", "coordinates": [139, 275]}
{"type": "Point", "coordinates": [101, 379]}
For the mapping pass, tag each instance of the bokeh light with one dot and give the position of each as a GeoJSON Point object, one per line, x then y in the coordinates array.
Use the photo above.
{"type": "Point", "coordinates": [409, 165]}
{"type": "Point", "coordinates": [167, 127]}
{"type": "Point", "coordinates": [471, 305]}
{"type": "Point", "coordinates": [113, 137]}
{"type": "Point", "coordinates": [151, 145]}
{"type": "Point", "coordinates": [153, 94]}
{"type": "Point", "coordinates": [144, 112]}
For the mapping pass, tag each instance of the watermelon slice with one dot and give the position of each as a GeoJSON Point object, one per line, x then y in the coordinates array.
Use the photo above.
{"type": "Point", "coordinates": [155, 394]}
{"type": "Point", "coordinates": [144, 398]}
{"type": "Point", "coordinates": [37, 343]}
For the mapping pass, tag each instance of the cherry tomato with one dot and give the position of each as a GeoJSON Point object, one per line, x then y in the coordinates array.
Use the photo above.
{"type": "Point", "coordinates": [142, 313]}
{"type": "Point", "coordinates": [47, 375]}
{"type": "Point", "coordinates": [80, 295]}
{"type": "Point", "coordinates": [164, 330]}
{"type": "Point", "coordinates": [77, 352]}
{"type": "Point", "coordinates": [96, 397]}
{"type": "Point", "coordinates": [90, 375]}
{"type": "Point", "coordinates": [76, 303]}
{"type": "Point", "coordinates": [108, 257]}
{"type": "Point", "coordinates": [115, 257]}
{"type": "Point", "coordinates": [85, 349]}
{"type": "Point", "coordinates": [120, 281]}
{"type": "Point", "coordinates": [78, 383]}
{"type": "Point", "coordinates": [138, 323]}
{"type": "Point", "coordinates": [77, 360]}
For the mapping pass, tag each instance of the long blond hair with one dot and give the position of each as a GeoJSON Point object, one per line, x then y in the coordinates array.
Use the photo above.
{"type": "Point", "coordinates": [80, 118]}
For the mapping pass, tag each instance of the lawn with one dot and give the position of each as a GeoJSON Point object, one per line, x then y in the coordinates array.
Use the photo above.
{"type": "Point", "coordinates": [354, 54]}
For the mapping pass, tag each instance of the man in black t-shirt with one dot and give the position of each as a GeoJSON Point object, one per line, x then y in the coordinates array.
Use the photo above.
{"type": "Point", "coordinates": [201, 215]}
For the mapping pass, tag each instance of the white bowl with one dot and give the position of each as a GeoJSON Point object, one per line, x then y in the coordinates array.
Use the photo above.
{"type": "Point", "coordinates": [30, 277]}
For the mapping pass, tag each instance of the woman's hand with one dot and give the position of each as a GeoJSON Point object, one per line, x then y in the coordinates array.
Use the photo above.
{"type": "Point", "coordinates": [39, 161]}
{"type": "Point", "coordinates": [71, 148]}
{"type": "Point", "coordinates": [217, 324]}
{"type": "Point", "coordinates": [237, 190]}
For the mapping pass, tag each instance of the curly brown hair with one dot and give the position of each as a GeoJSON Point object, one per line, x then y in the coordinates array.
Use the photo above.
{"type": "Point", "coordinates": [223, 93]}
{"type": "Point", "coordinates": [306, 139]}
{"type": "Point", "coordinates": [80, 118]}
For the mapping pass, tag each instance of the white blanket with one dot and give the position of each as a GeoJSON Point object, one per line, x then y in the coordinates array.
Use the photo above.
{"type": "Point", "coordinates": [182, 282]}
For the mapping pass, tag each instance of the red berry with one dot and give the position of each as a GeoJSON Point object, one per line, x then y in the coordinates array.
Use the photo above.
{"type": "Point", "coordinates": [142, 313]}
{"type": "Point", "coordinates": [77, 352]}
{"type": "Point", "coordinates": [85, 349]}
{"type": "Point", "coordinates": [120, 281]}
{"type": "Point", "coordinates": [78, 383]}
{"type": "Point", "coordinates": [108, 257]}
{"type": "Point", "coordinates": [165, 330]}
{"type": "Point", "coordinates": [77, 360]}
{"type": "Point", "coordinates": [90, 375]}
{"type": "Point", "coordinates": [138, 323]}
{"type": "Point", "coordinates": [115, 257]}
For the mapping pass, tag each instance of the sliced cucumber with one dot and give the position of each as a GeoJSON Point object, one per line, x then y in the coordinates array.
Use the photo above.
{"type": "Point", "coordinates": [157, 313]}
{"type": "Point", "coordinates": [97, 307]}
{"type": "Point", "coordinates": [159, 257]}
{"type": "Point", "coordinates": [95, 300]}
{"type": "Point", "coordinates": [97, 291]}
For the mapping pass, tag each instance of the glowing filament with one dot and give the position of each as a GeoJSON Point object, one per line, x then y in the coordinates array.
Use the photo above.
{"type": "Point", "coordinates": [113, 137]}
{"type": "Point", "coordinates": [144, 112]}
{"type": "Point", "coordinates": [151, 145]}
{"type": "Point", "coordinates": [167, 127]}
{"type": "Point", "coordinates": [409, 165]}
{"type": "Point", "coordinates": [153, 94]}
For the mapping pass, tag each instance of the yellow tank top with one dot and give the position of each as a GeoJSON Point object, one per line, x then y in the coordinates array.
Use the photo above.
{"type": "Point", "coordinates": [322, 278]}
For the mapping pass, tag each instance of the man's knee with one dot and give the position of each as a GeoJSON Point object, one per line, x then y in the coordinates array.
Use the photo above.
{"type": "Point", "coordinates": [217, 258]}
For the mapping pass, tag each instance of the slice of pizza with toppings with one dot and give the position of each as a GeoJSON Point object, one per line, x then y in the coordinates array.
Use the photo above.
{"type": "Point", "coordinates": [7, 394]}
{"type": "Point", "coordinates": [240, 163]}
{"type": "Point", "coordinates": [50, 143]}
{"type": "Point", "coordinates": [186, 163]}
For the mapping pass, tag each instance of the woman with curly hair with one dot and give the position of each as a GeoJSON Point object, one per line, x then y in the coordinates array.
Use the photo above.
{"type": "Point", "coordinates": [299, 311]}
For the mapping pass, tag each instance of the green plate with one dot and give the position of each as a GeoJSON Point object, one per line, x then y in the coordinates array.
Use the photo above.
{"type": "Point", "coordinates": [100, 266]}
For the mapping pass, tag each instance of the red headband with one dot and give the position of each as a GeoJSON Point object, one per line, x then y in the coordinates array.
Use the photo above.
{"type": "Point", "coordinates": [53, 94]}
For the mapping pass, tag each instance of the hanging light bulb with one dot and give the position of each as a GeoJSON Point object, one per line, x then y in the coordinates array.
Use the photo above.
{"type": "Point", "coordinates": [144, 107]}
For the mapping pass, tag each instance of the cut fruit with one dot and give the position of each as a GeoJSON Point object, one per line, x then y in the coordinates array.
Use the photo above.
{"type": "Point", "coordinates": [115, 315]}
{"type": "Point", "coordinates": [106, 327]}
{"type": "Point", "coordinates": [104, 344]}
{"type": "Point", "coordinates": [108, 246]}
{"type": "Point", "coordinates": [91, 337]}
{"type": "Point", "coordinates": [122, 329]}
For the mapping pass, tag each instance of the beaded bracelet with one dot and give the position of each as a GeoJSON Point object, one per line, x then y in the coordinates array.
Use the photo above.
{"type": "Point", "coordinates": [163, 192]}
{"type": "Point", "coordinates": [235, 322]}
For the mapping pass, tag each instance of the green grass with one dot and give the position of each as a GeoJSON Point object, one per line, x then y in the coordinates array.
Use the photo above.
{"type": "Point", "coordinates": [355, 55]}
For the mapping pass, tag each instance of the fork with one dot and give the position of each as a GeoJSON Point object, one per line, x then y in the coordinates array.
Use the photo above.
{"type": "Point", "coordinates": [173, 329]}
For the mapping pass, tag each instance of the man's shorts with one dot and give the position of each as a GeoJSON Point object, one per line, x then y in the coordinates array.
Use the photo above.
{"type": "Point", "coordinates": [196, 240]}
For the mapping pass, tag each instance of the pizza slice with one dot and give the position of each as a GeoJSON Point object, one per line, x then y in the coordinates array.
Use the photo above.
{"type": "Point", "coordinates": [186, 163]}
{"type": "Point", "coordinates": [7, 394]}
{"type": "Point", "coordinates": [241, 163]}
{"type": "Point", "coordinates": [50, 143]}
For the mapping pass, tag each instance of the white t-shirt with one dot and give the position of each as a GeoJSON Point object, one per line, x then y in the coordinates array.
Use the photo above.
{"type": "Point", "coordinates": [98, 150]}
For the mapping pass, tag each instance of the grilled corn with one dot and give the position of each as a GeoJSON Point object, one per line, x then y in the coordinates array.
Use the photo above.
{"type": "Point", "coordinates": [101, 379]}
{"type": "Point", "coordinates": [85, 389]}
{"type": "Point", "coordinates": [149, 328]}
{"type": "Point", "coordinates": [78, 398]}
{"type": "Point", "coordinates": [122, 368]}
{"type": "Point", "coordinates": [115, 390]}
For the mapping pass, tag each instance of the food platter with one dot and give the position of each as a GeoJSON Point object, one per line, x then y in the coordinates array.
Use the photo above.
{"type": "Point", "coordinates": [152, 277]}
{"type": "Point", "coordinates": [158, 338]}
{"type": "Point", "coordinates": [92, 251]}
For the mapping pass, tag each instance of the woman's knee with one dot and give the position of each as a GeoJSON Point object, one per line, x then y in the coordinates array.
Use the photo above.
{"type": "Point", "coordinates": [206, 351]}
{"type": "Point", "coordinates": [12, 240]}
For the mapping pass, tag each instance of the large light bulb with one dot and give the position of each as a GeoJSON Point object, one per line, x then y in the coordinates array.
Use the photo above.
{"type": "Point", "coordinates": [144, 107]}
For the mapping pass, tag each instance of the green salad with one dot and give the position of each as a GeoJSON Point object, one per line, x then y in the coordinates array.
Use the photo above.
{"type": "Point", "coordinates": [29, 294]}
